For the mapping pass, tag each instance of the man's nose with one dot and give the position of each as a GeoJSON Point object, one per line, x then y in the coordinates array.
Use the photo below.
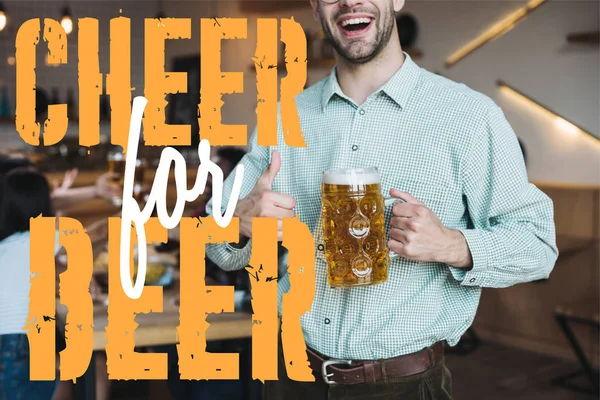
{"type": "Point", "coordinates": [350, 3]}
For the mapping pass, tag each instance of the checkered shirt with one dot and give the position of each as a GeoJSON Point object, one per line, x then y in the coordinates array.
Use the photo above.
{"type": "Point", "coordinates": [451, 148]}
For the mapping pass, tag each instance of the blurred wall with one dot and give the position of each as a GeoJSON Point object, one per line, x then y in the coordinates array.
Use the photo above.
{"type": "Point", "coordinates": [65, 77]}
{"type": "Point", "coordinates": [534, 57]}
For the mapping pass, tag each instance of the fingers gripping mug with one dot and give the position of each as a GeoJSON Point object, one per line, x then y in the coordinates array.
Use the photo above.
{"type": "Point", "coordinates": [353, 227]}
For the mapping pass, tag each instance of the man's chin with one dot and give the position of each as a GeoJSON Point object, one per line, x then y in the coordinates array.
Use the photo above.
{"type": "Point", "coordinates": [360, 54]}
{"type": "Point", "coordinates": [358, 58]}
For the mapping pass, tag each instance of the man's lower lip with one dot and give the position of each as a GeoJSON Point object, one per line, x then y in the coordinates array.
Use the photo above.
{"type": "Point", "coordinates": [355, 33]}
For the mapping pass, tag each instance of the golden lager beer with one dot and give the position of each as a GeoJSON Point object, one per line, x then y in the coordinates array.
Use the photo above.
{"type": "Point", "coordinates": [353, 227]}
{"type": "Point", "coordinates": [116, 166]}
{"type": "Point", "coordinates": [138, 183]}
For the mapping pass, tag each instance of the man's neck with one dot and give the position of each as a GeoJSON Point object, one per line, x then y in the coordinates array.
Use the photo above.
{"type": "Point", "coordinates": [359, 81]}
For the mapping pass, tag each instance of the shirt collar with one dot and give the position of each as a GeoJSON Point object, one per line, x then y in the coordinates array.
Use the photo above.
{"type": "Point", "coordinates": [399, 87]}
{"type": "Point", "coordinates": [330, 88]}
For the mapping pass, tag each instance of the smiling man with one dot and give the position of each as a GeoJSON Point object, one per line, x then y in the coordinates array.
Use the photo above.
{"type": "Point", "coordinates": [360, 35]}
{"type": "Point", "coordinates": [470, 218]}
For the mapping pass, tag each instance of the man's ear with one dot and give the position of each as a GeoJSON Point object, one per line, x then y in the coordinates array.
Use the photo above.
{"type": "Point", "coordinates": [398, 5]}
{"type": "Point", "coordinates": [315, 8]}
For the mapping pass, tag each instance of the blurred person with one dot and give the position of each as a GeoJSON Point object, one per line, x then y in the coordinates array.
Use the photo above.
{"type": "Point", "coordinates": [24, 194]}
{"type": "Point", "coordinates": [448, 148]}
{"type": "Point", "coordinates": [63, 197]}
{"type": "Point", "coordinates": [226, 158]}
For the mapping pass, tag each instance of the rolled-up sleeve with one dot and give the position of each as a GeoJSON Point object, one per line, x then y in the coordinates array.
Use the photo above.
{"type": "Point", "coordinates": [512, 237]}
{"type": "Point", "coordinates": [255, 162]}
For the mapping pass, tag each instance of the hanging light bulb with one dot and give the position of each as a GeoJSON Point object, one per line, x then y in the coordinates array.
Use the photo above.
{"type": "Point", "coordinates": [66, 21]}
{"type": "Point", "coordinates": [2, 16]}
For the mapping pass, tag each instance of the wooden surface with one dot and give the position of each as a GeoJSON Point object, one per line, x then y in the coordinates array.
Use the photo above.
{"type": "Point", "coordinates": [161, 328]}
{"type": "Point", "coordinates": [522, 316]}
{"type": "Point", "coordinates": [576, 210]}
{"type": "Point", "coordinates": [568, 245]}
{"type": "Point", "coordinates": [586, 309]}
{"type": "Point", "coordinates": [100, 209]}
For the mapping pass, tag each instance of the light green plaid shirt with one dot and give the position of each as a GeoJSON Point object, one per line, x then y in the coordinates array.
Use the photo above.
{"type": "Point", "coordinates": [451, 148]}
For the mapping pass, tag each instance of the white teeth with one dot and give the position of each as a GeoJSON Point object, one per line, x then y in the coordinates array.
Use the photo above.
{"type": "Point", "coordinates": [356, 21]}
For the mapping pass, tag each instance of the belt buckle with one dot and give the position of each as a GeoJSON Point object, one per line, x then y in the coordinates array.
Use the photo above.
{"type": "Point", "coordinates": [328, 363]}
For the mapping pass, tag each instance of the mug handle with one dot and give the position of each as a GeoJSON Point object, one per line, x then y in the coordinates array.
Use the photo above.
{"type": "Point", "coordinates": [389, 201]}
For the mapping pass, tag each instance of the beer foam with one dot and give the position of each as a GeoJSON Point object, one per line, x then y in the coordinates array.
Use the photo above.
{"type": "Point", "coordinates": [352, 177]}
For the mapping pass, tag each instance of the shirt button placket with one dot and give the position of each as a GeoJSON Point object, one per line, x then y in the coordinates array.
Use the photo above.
{"type": "Point", "coordinates": [356, 126]}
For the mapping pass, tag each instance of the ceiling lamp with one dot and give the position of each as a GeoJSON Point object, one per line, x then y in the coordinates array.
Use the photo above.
{"type": "Point", "coordinates": [2, 16]}
{"type": "Point", "coordinates": [494, 32]}
{"type": "Point", "coordinates": [67, 21]}
{"type": "Point", "coordinates": [560, 122]}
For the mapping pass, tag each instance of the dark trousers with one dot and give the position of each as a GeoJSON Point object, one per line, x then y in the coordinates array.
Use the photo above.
{"type": "Point", "coordinates": [433, 384]}
{"type": "Point", "coordinates": [203, 389]}
{"type": "Point", "coordinates": [14, 371]}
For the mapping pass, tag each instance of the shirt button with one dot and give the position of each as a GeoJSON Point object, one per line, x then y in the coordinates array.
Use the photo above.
{"type": "Point", "coordinates": [354, 147]}
{"type": "Point", "coordinates": [327, 321]}
{"type": "Point", "coordinates": [321, 247]}
{"type": "Point", "coordinates": [472, 280]}
{"type": "Point", "coordinates": [362, 112]}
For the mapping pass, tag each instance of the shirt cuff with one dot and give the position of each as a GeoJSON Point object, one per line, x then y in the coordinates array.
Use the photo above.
{"type": "Point", "coordinates": [233, 249]}
{"type": "Point", "coordinates": [229, 258]}
{"type": "Point", "coordinates": [476, 242]}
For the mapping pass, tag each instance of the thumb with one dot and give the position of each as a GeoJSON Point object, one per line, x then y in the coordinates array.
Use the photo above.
{"type": "Point", "coordinates": [270, 173]}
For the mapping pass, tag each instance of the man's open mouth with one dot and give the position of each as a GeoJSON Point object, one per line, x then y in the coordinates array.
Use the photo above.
{"type": "Point", "coordinates": [355, 26]}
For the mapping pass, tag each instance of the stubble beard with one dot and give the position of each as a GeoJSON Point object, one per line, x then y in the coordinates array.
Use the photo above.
{"type": "Point", "coordinates": [360, 52]}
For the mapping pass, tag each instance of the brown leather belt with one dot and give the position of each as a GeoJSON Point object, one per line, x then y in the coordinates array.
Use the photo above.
{"type": "Point", "coordinates": [372, 371]}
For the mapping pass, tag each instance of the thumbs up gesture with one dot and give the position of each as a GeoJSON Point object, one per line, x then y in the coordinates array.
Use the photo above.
{"type": "Point", "coordinates": [262, 201]}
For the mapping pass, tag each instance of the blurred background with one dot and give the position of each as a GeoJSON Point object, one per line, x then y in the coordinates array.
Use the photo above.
{"type": "Point", "coordinates": [539, 60]}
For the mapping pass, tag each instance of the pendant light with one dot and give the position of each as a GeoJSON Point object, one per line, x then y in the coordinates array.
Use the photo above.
{"type": "Point", "coordinates": [2, 16]}
{"type": "Point", "coordinates": [67, 21]}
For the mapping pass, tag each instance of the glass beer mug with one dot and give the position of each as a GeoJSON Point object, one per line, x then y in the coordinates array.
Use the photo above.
{"type": "Point", "coordinates": [353, 227]}
{"type": "Point", "coordinates": [116, 166]}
